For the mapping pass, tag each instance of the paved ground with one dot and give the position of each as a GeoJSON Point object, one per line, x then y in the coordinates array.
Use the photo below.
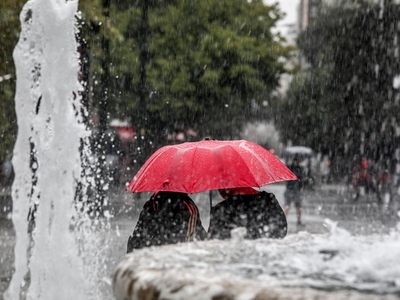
{"type": "Point", "coordinates": [329, 201]}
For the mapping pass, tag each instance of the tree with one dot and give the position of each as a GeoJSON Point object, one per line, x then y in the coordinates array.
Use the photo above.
{"type": "Point", "coordinates": [356, 47]}
{"type": "Point", "coordinates": [305, 113]}
{"type": "Point", "coordinates": [209, 63]}
{"type": "Point", "coordinates": [217, 61]}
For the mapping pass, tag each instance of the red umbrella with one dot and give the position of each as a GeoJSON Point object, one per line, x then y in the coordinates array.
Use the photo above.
{"type": "Point", "coordinates": [194, 167]}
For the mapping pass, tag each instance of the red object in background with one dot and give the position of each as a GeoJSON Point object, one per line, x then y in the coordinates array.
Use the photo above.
{"type": "Point", "coordinates": [384, 177]}
{"type": "Point", "coordinates": [194, 167]}
{"type": "Point", "coordinates": [364, 163]}
{"type": "Point", "coordinates": [126, 134]}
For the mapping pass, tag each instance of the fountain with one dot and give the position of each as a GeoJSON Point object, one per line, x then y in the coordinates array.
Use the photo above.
{"type": "Point", "coordinates": [49, 262]}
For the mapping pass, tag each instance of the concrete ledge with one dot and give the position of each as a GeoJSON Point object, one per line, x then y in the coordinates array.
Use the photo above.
{"type": "Point", "coordinates": [197, 271]}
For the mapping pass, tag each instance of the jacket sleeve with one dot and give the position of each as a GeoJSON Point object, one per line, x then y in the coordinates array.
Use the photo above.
{"type": "Point", "coordinates": [275, 218]}
{"type": "Point", "coordinates": [201, 233]}
{"type": "Point", "coordinates": [195, 220]}
{"type": "Point", "coordinates": [137, 239]}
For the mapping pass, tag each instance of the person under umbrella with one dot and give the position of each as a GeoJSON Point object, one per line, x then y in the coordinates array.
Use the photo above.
{"type": "Point", "coordinates": [293, 192]}
{"type": "Point", "coordinates": [167, 218]}
{"type": "Point", "coordinates": [207, 165]}
{"type": "Point", "coordinates": [259, 212]}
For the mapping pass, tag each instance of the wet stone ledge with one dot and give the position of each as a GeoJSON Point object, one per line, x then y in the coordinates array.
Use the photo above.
{"type": "Point", "coordinates": [212, 270]}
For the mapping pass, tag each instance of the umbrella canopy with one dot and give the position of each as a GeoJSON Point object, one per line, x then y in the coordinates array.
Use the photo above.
{"type": "Point", "coordinates": [194, 167]}
{"type": "Point", "coordinates": [300, 151]}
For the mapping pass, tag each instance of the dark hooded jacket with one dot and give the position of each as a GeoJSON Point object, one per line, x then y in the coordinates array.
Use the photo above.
{"type": "Point", "coordinates": [260, 214]}
{"type": "Point", "coordinates": [167, 218]}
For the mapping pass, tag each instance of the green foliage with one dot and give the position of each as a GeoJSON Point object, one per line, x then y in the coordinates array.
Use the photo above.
{"type": "Point", "coordinates": [347, 100]}
{"type": "Point", "coordinates": [305, 114]}
{"type": "Point", "coordinates": [214, 59]}
{"type": "Point", "coordinates": [9, 32]}
{"type": "Point", "coordinates": [209, 63]}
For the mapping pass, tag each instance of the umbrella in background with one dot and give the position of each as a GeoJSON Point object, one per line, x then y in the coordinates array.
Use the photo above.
{"type": "Point", "coordinates": [194, 167]}
{"type": "Point", "coordinates": [305, 155]}
{"type": "Point", "coordinates": [299, 151]}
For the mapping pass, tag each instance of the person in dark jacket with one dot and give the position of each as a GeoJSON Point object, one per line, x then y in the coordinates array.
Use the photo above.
{"type": "Point", "coordinates": [167, 218]}
{"type": "Point", "coordinates": [259, 212]}
{"type": "Point", "coordinates": [294, 189]}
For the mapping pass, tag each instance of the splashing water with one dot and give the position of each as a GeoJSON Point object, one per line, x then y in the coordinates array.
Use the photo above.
{"type": "Point", "coordinates": [47, 161]}
{"type": "Point", "coordinates": [301, 266]}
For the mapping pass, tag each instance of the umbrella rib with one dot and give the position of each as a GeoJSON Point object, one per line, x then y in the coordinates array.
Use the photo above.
{"type": "Point", "coordinates": [264, 164]}
{"type": "Point", "coordinates": [192, 164]}
{"type": "Point", "coordinates": [248, 168]}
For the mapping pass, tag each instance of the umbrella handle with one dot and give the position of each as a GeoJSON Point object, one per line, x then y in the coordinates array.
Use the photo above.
{"type": "Point", "coordinates": [210, 193]}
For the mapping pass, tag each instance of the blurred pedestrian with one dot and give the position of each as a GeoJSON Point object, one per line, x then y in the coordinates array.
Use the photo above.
{"type": "Point", "coordinates": [293, 192]}
{"type": "Point", "coordinates": [259, 212]}
{"type": "Point", "coordinates": [167, 218]}
{"type": "Point", "coordinates": [384, 192]}
{"type": "Point", "coordinates": [362, 179]}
